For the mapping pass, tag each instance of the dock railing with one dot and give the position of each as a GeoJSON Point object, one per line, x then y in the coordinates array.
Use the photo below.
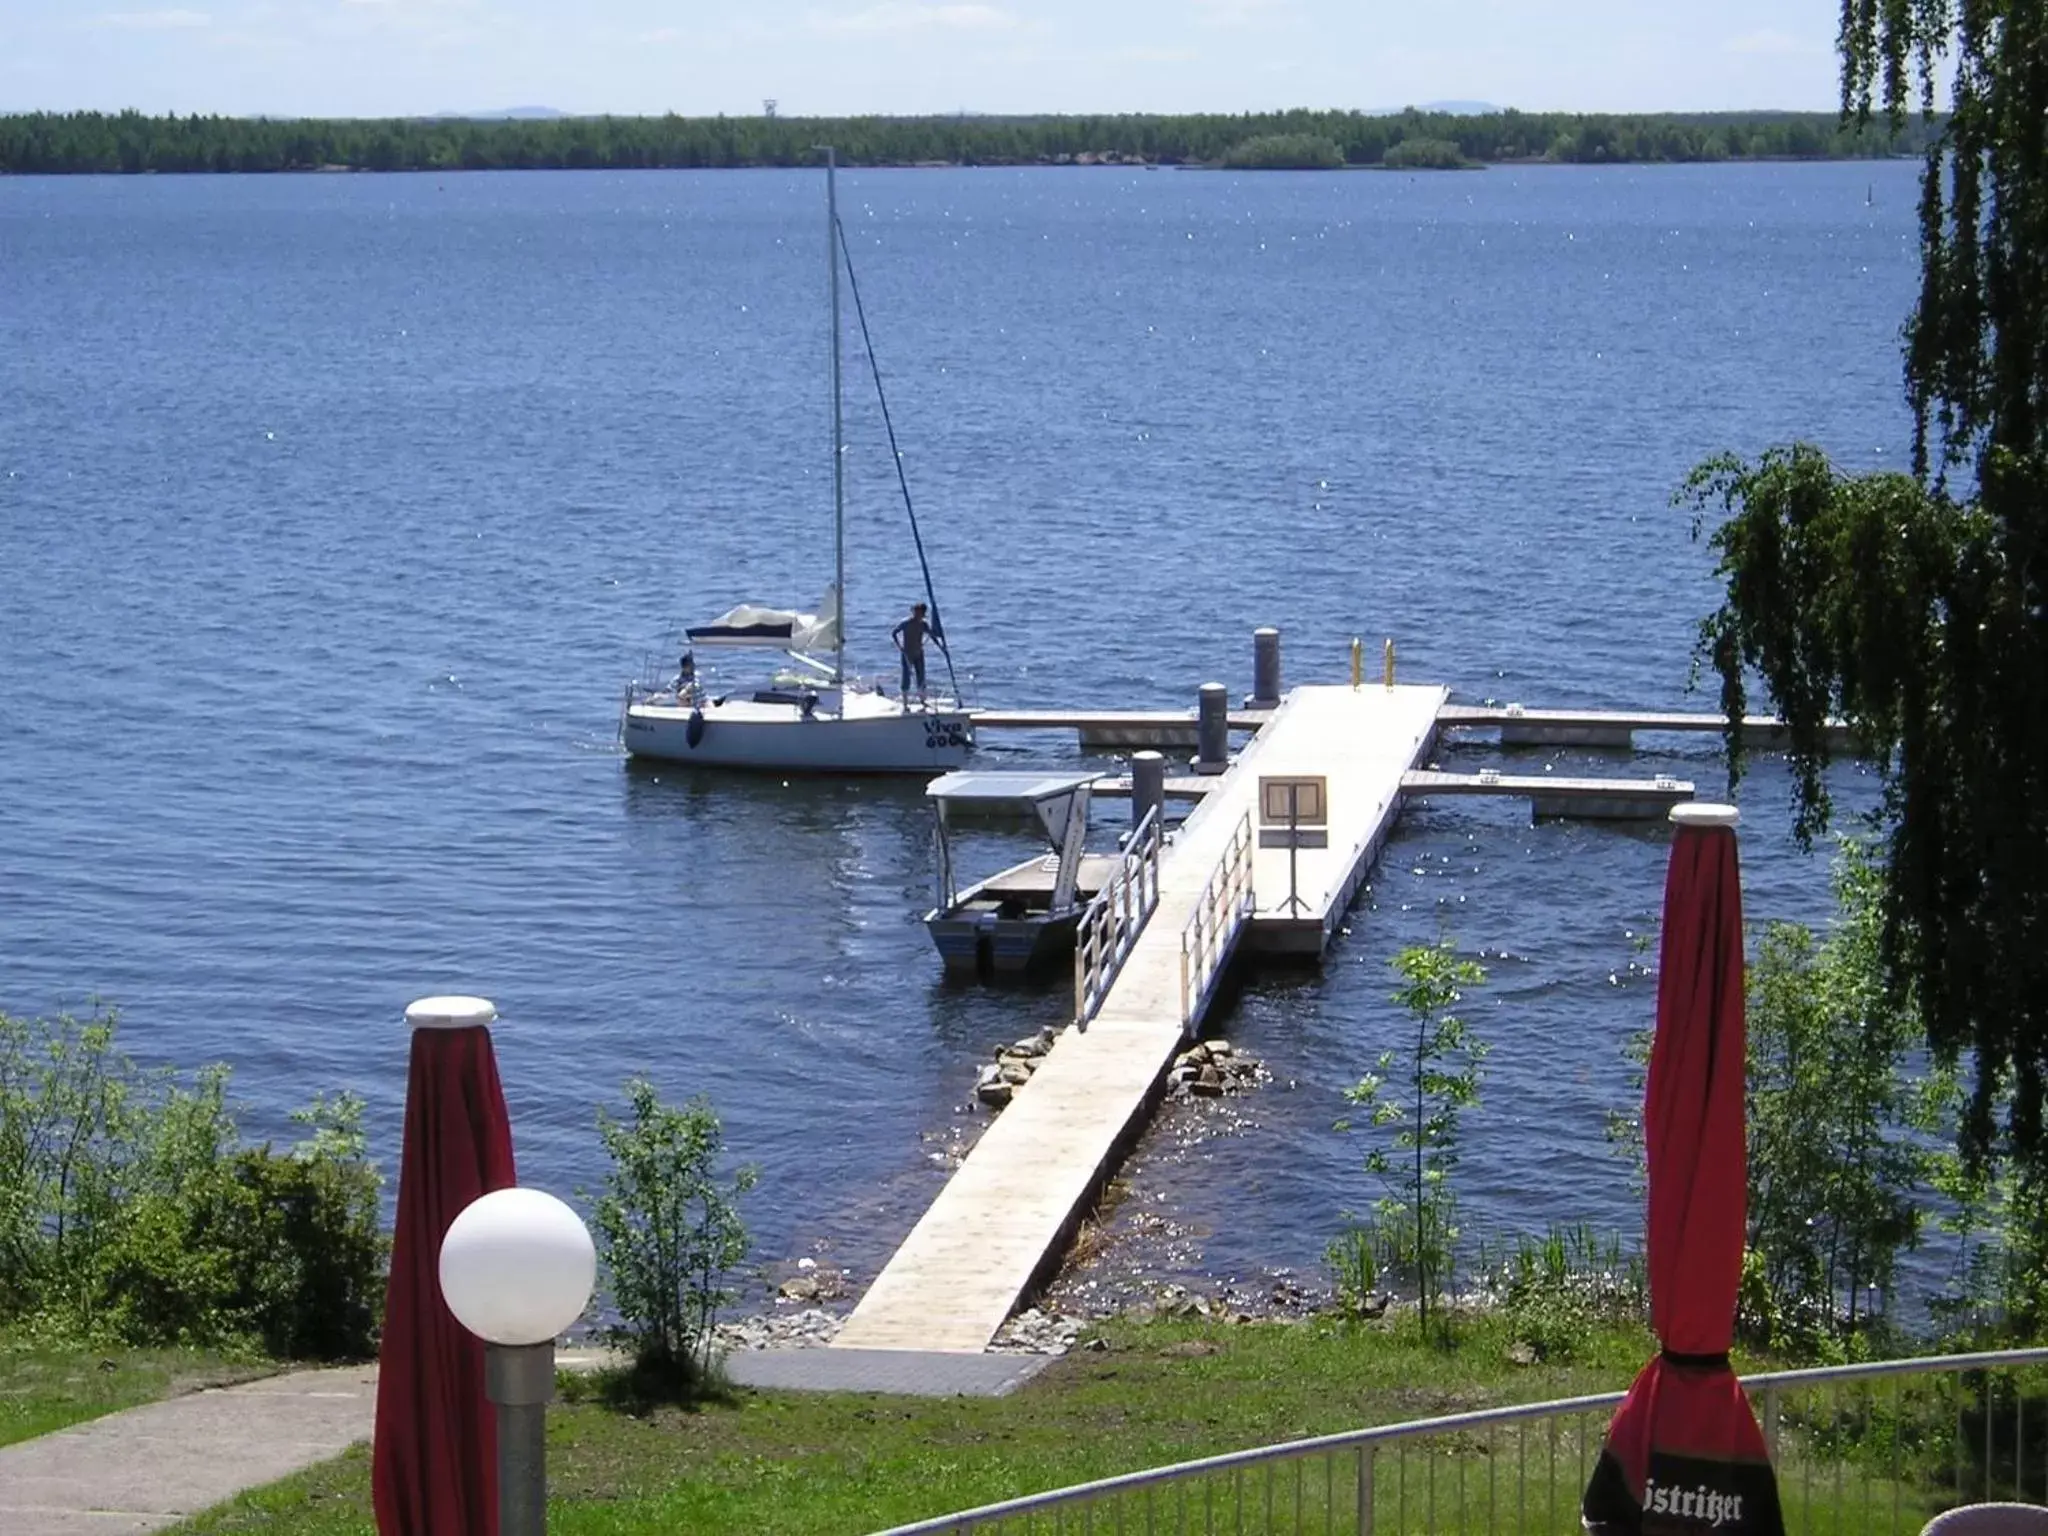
{"type": "Point", "coordinates": [1860, 1450]}
{"type": "Point", "coordinates": [1109, 928]}
{"type": "Point", "coordinates": [1219, 915]}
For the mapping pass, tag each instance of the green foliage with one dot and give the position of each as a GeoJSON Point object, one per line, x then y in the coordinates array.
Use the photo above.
{"type": "Point", "coordinates": [1353, 1260]}
{"type": "Point", "coordinates": [1846, 1125]}
{"type": "Point", "coordinates": [47, 143]}
{"type": "Point", "coordinates": [1414, 1225]}
{"type": "Point", "coordinates": [1425, 155]}
{"type": "Point", "coordinates": [131, 1211]}
{"type": "Point", "coordinates": [1285, 152]}
{"type": "Point", "coordinates": [1997, 1208]}
{"type": "Point", "coordinates": [1842, 1138]}
{"type": "Point", "coordinates": [1569, 1288]}
{"type": "Point", "coordinates": [669, 1234]}
{"type": "Point", "coordinates": [1922, 615]}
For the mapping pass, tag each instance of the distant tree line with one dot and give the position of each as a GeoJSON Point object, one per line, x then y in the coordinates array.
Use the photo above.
{"type": "Point", "coordinates": [55, 143]}
{"type": "Point", "coordinates": [1284, 152]}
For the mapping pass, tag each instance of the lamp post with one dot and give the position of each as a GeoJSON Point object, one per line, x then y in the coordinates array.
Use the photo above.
{"type": "Point", "coordinates": [517, 1268]}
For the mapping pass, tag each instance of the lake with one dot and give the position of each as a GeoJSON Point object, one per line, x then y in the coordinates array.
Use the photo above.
{"type": "Point", "coordinates": [336, 511]}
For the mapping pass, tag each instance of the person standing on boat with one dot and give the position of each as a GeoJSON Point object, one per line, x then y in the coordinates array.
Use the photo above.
{"type": "Point", "coordinates": [909, 638]}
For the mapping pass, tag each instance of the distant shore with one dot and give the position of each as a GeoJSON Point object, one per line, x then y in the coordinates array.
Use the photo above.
{"type": "Point", "coordinates": [93, 143]}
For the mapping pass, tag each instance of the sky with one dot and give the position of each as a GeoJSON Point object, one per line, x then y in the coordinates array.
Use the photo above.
{"type": "Point", "coordinates": [366, 58]}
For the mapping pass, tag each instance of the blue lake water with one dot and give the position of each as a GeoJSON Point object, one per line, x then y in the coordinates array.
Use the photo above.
{"type": "Point", "coordinates": [335, 512]}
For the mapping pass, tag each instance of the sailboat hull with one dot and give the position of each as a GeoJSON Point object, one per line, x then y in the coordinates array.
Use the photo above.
{"type": "Point", "coordinates": [778, 737]}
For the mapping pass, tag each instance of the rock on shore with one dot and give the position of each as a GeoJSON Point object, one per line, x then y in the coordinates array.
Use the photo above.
{"type": "Point", "coordinates": [1012, 1069]}
{"type": "Point", "coordinates": [1209, 1069]}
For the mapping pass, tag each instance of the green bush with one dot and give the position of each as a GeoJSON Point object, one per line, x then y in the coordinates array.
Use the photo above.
{"type": "Point", "coordinates": [1414, 1108]}
{"type": "Point", "coordinates": [319, 1294]}
{"type": "Point", "coordinates": [1566, 1289]}
{"type": "Point", "coordinates": [1425, 155]}
{"type": "Point", "coordinates": [669, 1234]}
{"type": "Point", "coordinates": [1284, 152]}
{"type": "Point", "coordinates": [1354, 1262]}
{"type": "Point", "coordinates": [131, 1211]}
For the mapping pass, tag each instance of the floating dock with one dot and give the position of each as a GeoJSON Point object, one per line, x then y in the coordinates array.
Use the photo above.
{"type": "Point", "coordinates": [1002, 1220]}
{"type": "Point", "coordinates": [1233, 877]}
{"type": "Point", "coordinates": [1116, 729]}
{"type": "Point", "coordinates": [1514, 726]}
{"type": "Point", "coordinates": [1558, 796]}
{"type": "Point", "coordinates": [1549, 795]}
{"type": "Point", "coordinates": [1509, 724]}
{"type": "Point", "coordinates": [1365, 742]}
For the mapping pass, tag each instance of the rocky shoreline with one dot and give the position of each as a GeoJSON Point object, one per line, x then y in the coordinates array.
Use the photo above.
{"type": "Point", "coordinates": [1047, 1329]}
{"type": "Point", "coordinates": [1208, 1069]}
{"type": "Point", "coordinates": [811, 1298]}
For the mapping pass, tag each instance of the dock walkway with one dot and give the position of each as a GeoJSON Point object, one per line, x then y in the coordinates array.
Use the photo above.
{"type": "Point", "coordinates": [1002, 1220]}
{"type": "Point", "coordinates": [1116, 729]}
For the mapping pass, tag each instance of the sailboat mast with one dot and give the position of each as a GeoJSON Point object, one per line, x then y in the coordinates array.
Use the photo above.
{"type": "Point", "coordinates": [838, 441]}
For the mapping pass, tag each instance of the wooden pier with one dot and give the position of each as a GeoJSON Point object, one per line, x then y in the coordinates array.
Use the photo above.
{"type": "Point", "coordinates": [1585, 799]}
{"type": "Point", "coordinates": [1115, 729]}
{"type": "Point", "coordinates": [1229, 879]}
{"type": "Point", "coordinates": [1509, 724]}
{"type": "Point", "coordinates": [1003, 1218]}
{"type": "Point", "coordinates": [1558, 796]}
{"type": "Point", "coordinates": [1515, 726]}
{"type": "Point", "coordinates": [1366, 741]}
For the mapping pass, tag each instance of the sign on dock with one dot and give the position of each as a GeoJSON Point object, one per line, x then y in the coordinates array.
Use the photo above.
{"type": "Point", "coordinates": [1294, 812]}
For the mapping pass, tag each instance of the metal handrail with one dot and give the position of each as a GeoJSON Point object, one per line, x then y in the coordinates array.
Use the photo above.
{"type": "Point", "coordinates": [1220, 911]}
{"type": "Point", "coordinates": [1109, 928]}
{"type": "Point", "coordinates": [1768, 1386]}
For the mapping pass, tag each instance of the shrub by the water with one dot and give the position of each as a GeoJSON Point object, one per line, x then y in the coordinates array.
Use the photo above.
{"type": "Point", "coordinates": [1413, 1107]}
{"type": "Point", "coordinates": [669, 1234]}
{"type": "Point", "coordinates": [1425, 155]}
{"type": "Point", "coordinates": [1567, 1289]}
{"type": "Point", "coordinates": [131, 1211]}
{"type": "Point", "coordinates": [1285, 152]}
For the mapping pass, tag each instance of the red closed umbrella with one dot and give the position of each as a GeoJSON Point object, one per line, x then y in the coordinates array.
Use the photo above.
{"type": "Point", "coordinates": [434, 1459]}
{"type": "Point", "coordinates": [1684, 1453]}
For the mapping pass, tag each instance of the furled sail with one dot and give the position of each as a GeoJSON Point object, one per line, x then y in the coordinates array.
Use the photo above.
{"type": "Point", "coordinates": [782, 629]}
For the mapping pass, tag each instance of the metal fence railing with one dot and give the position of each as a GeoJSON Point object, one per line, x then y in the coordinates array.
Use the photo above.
{"type": "Point", "coordinates": [1211, 933]}
{"type": "Point", "coordinates": [1860, 1450]}
{"type": "Point", "coordinates": [1110, 927]}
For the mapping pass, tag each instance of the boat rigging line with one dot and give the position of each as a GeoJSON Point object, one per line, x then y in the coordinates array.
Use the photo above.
{"type": "Point", "coordinates": [896, 457]}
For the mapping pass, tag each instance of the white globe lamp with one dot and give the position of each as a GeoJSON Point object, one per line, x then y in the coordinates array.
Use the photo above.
{"type": "Point", "coordinates": [517, 1267]}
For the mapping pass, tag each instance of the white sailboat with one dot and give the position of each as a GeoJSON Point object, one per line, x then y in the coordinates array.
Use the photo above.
{"type": "Point", "coordinates": [812, 716]}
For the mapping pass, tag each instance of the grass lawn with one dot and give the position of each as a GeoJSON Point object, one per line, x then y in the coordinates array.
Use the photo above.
{"type": "Point", "coordinates": [799, 1462]}
{"type": "Point", "coordinates": [45, 1387]}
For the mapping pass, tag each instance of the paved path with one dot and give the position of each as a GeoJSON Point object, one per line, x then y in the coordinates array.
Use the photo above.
{"type": "Point", "coordinates": [150, 1467]}
{"type": "Point", "coordinates": [147, 1468]}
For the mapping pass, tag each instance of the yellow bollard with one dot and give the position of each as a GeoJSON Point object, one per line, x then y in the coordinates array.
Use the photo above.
{"type": "Point", "coordinates": [1387, 663]}
{"type": "Point", "coordinates": [1357, 661]}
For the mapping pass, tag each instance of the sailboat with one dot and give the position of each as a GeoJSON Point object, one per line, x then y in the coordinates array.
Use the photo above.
{"type": "Point", "coordinates": [812, 715]}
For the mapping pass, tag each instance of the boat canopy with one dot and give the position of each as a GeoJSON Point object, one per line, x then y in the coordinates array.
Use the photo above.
{"type": "Point", "coordinates": [781, 629]}
{"type": "Point", "coordinates": [1054, 798]}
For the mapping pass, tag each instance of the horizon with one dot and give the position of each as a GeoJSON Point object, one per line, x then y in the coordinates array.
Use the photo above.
{"type": "Point", "coordinates": [369, 59]}
{"type": "Point", "coordinates": [545, 114]}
